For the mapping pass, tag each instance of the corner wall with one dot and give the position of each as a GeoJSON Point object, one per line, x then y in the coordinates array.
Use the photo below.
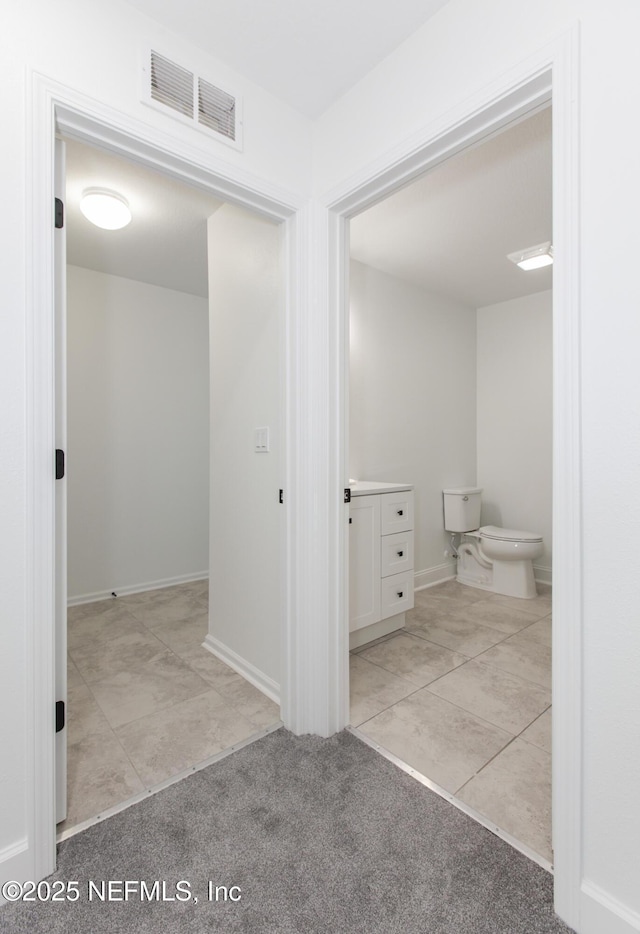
{"type": "Point", "coordinates": [138, 435]}
{"type": "Point", "coordinates": [412, 400]}
{"type": "Point", "coordinates": [246, 311]}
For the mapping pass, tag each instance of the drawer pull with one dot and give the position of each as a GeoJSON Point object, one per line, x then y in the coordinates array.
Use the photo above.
{"type": "Point", "coordinates": [400, 554]}
{"type": "Point", "coordinates": [400, 594]}
{"type": "Point", "coordinates": [401, 512]}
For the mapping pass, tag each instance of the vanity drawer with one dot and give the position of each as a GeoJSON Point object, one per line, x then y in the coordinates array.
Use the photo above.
{"type": "Point", "coordinates": [396, 594]}
{"type": "Point", "coordinates": [396, 553]}
{"type": "Point", "coordinates": [396, 512]}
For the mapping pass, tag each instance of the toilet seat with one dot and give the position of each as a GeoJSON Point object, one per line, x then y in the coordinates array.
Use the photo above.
{"type": "Point", "coordinates": [495, 533]}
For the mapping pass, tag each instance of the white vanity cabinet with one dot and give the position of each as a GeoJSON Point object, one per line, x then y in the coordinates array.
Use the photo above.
{"type": "Point", "coordinates": [380, 559]}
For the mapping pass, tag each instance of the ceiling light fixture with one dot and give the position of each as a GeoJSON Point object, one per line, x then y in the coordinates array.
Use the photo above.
{"type": "Point", "coordinates": [534, 257]}
{"type": "Point", "coordinates": [104, 208]}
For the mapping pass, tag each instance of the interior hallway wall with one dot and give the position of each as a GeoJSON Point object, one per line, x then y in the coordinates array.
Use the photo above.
{"type": "Point", "coordinates": [412, 399]}
{"type": "Point", "coordinates": [515, 417]}
{"type": "Point", "coordinates": [246, 308]}
{"type": "Point", "coordinates": [138, 434]}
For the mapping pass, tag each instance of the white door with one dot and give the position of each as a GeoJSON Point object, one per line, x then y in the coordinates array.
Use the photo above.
{"type": "Point", "coordinates": [60, 271]}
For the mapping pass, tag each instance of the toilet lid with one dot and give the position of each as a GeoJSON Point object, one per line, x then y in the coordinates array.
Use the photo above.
{"type": "Point", "coordinates": [509, 535]}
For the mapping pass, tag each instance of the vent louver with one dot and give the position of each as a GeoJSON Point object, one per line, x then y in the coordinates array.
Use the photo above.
{"type": "Point", "coordinates": [216, 109]}
{"type": "Point", "coordinates": [191, 98]}
{"type": "Point", "coordinates": [171, 85]}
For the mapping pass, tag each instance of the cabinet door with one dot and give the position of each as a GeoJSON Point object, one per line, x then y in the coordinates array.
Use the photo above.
{"type": "Point", "coordinates": [364, 561]}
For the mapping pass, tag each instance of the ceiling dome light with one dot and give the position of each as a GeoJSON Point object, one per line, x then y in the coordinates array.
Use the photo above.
{"type": "Point", "coordinates": [104, 208]}
{"type": "Point", "coordinates": [534, 257]}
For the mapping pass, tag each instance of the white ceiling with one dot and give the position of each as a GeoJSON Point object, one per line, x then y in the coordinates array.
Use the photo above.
{"type": "Point", "coordinates": [450, 231]}
{"type": "Point", "coordinates": [306, 52]}
{"type": "Point", "coordinates": [166, 242]}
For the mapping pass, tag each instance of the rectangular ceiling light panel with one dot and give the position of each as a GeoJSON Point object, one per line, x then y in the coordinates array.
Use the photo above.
{"type": "Point", "coordinates": [183, 95]}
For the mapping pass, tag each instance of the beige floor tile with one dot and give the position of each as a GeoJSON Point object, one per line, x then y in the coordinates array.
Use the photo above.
{"type": "Point", "coordinates": [207, 665]}
{"type": "Point", "coordinates": [443, 742]}
{"type": "Point", "coordinates": [107, 621]}
{"type": "Point", "coordinates": [413, 658]}
{"type": "Point", "coordinates": [368, 645]}
{"type": "Point", "coordinates": [454, 590]}
{"type": "Point", "coordinates": [503, 618]}
{"type": "Point", "coordinates": [453, 632]}
{"type": "Point", "coordinates": [95, 608]}
{"type": "Point", "coordinates": [373, 689]}
{"type": "Point", "coordinates": [537, 606]}
{"type": "Point", "coordinates": [539, 733]}
{"type": "Point", "coordinates": [199, 588]}
{"type": "Point", "coordinates": [522, 656]}
{"type": "Point", "coordinates": [160, 683]}
{"type": "Point", "coordinates": [181, 633]}
{"type": "Point", "coordinates": [74, 678]}
{"type": "Point", "coordinates": [540, 631]}
{"type": "Point", "coordinates": [162, 606]}
{"type": "Point", "coordinates": [83, 716]}
{"type": "Point", "coordinates": [98, 660]}
{"type": "Point", "coordinates": [503, 699]}
{"type": "Point", "coordinates": [249, 701]}
{"type": "Point", "coordinates": [170, 741]}
{"type": "Point", "coordinates": [514, 791]}
{"type": "Point", "coordinates": [99, 776]}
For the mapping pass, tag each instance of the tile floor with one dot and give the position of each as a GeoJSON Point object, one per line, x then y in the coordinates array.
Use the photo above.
{"type": "Point", "coordinates": [463, 695]}
{"type": "Point", "coordinates": [145, 700]}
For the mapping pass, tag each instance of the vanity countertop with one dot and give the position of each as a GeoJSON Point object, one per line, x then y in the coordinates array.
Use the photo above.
{"type": "Point", "coordinates": [364, 487]}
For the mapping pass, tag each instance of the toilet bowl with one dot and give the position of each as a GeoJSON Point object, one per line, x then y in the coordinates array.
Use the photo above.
{"type": "Point", "coordinates": [490, 557]}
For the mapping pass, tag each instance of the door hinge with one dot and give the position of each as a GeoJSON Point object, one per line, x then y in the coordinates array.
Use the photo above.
{"type": "Point", "coordinates": [59, 214]}
{"type": "Point", "coordinates": [59, 464]}
{"type": "Point", "coordinates": [347, 495]}
{"type": "Point", "coordinates": [59, 715]}
{"type": "Point", "coordinates": [281, 496]}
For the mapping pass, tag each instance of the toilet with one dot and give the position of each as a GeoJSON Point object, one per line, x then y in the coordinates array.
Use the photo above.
{"type": "Point", "coordinates": [489, 557]}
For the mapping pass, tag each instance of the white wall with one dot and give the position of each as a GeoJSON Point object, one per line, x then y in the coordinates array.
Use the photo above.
{"type": "Point", "coordinates": [412, 399]}
{"type": "Point", "coordinates": [515, 386]}
{"type": "Point", "coordinates": [466, 49]}
{"type": "Point", "coordinates": [246, 300]}
{"type": "Point", "coordinates": [138, 434]}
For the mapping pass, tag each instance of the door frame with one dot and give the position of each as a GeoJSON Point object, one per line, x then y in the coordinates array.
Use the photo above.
{"type": "Point", "coordinates": [551, 77]}
{"type": "Point", "coordinates": [56, 108]}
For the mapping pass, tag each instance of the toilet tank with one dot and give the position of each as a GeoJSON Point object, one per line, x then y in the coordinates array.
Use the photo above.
{"type": "Point", "coordinates": [462, 508]}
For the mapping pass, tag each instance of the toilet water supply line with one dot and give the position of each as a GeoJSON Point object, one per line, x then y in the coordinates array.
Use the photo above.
{"type": "Point", "coordinates": [469, 548]}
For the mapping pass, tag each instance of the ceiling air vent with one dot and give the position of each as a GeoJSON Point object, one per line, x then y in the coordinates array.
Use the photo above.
{"type": "Point", "coordinates": [187, 97]}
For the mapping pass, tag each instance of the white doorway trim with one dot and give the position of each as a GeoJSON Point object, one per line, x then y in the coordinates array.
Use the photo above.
{"type": "Point", "coordinates": [58, 108]}
{"type": "Point", "coordinates": [550, 76]}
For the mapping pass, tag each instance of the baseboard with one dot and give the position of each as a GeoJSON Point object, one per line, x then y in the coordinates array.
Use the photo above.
{"type": "Point", "coordinates": [600, 912]}
{"type": "Point", "coordinates": [542, 575]}
{"type": "Point", "coordinates": [137, 588]}
{"type": "Point", "coordinates": [432, 576]}
{"type": "Point", "coordinates": [248, 671]}
{"type": "Point", "coordinates": [15, 863]}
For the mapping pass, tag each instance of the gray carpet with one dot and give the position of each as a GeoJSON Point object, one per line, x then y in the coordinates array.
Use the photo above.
{"type": "Point", "coordinates": [320, 836]}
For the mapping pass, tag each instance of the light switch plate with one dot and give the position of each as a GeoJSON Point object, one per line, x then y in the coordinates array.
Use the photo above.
{"type": "Point", "coordinates": [261, 440]}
